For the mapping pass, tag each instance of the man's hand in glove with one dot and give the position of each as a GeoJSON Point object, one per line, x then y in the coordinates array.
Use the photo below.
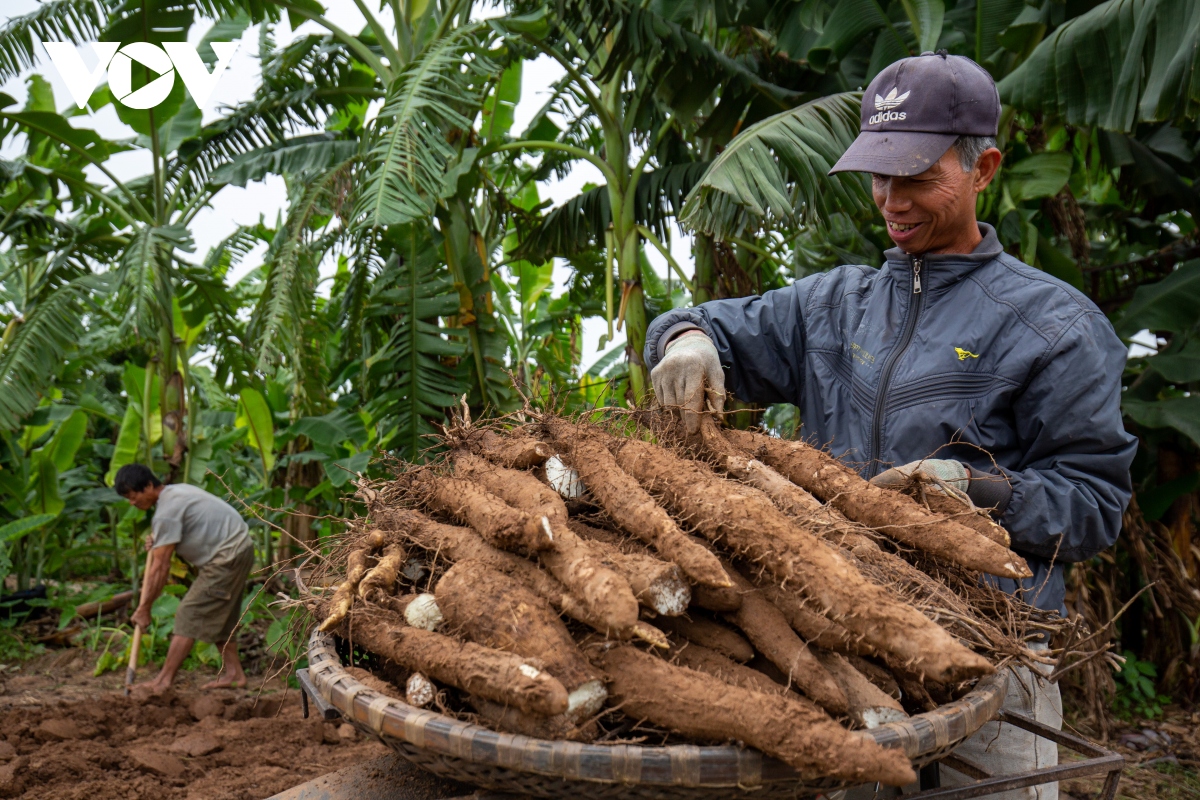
{"type": "Point", "coordinates": [952, 473]}
{"type": "Point", "coordinates": [689, 366]}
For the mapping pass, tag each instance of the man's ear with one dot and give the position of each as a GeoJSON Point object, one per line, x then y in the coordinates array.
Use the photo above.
{"type": "Point", "coordinates": [985, 169]}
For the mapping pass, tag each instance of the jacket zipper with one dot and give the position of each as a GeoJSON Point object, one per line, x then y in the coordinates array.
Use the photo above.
{"type": "Point", "coordinates": [889, 366]}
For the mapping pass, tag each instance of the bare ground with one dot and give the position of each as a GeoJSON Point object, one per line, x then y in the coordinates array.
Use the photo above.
{"type": "Point", "coordinates": [68, 735]}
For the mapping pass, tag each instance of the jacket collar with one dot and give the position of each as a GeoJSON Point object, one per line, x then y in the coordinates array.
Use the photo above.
{"type": "Point", "coordinates": [947, 268]}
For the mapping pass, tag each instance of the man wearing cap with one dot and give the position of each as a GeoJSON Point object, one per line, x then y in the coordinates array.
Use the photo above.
{"type": "Point", "coordinates": [953, 359]}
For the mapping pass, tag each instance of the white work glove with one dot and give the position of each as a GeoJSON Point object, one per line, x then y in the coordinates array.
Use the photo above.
{"type": "Point", "coordinates": [945, 471]}
{"type": "Point", "coordinates": [688, 375]}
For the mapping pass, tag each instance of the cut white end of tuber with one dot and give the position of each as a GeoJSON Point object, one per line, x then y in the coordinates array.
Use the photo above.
{"type": "Point", "coordinates": [586, 700]}
{"type": "Point", "coordinates": [423, 612]}
{"type": "Point", "coordinates": [529, 672]}
{"type": "Point", "coordinates": [563, 479]}
{"type": "Point", "coordinates": [882, 715]}
{"type": "Point", "coordinates": [546, 528]}
{"type": "Point", "coordinates": [669, 597]}
{"type": "Point", "coordinates": [419, 691]}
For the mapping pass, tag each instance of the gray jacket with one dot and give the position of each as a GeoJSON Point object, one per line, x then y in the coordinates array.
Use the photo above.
{"type": "Point", "coordinates": [981, 358]}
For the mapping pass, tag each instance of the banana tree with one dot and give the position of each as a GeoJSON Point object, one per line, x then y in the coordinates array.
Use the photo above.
{"type": "Point", "coordinates": [32, 462]}
{"type": "Point", "coordinates": [141, 227]}
{"type": "Point", "coordinates": [358, 189]}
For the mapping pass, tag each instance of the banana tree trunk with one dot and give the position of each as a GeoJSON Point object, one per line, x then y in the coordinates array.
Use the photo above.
{"type": "Point", "coordinates": [174, 413]}
{"type": "Point", "coordinates": [703, 283]}
{"type": "Point", "coordinates": [298, 530]}
{"type": "Point", "coordinates": [632, 310]}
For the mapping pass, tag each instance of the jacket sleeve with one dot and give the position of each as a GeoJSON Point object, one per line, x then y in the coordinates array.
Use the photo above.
{"type": "Point", "coordinates": [760, 341]}
{"type": "Point", "coordinates": [1074, 484]}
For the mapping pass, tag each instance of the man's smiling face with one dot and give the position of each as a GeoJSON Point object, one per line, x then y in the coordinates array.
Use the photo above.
{"type": "Point", "coordinates": [934, 212]}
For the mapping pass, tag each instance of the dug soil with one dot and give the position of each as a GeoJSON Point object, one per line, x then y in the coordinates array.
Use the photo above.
{"type": "Point", "coordinates": [67, 735]}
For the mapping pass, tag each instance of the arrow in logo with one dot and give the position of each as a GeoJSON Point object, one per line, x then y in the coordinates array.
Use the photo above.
{"type": "Point", "coordinates": [178, 56]}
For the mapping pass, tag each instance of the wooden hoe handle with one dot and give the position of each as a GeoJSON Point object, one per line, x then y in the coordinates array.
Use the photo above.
{"type": "Point", "coordinates": [133, 658]}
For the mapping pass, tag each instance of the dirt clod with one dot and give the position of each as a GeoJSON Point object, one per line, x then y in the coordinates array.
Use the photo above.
{"type": "Point", "coordinates": [207, 705]}
{"type": "Point", "coordinates": [58, 729]}
{"type": "Point", "coordinates": [156, 751]}
{"type": "Point", "coordinates": [158, 763]}
{"type": "Point", "coordinates": [195, 745]}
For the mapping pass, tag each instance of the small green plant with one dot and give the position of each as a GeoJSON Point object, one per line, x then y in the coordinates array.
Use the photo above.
{"type": "Point", "coordinates": [14, 647]}
{"type": "Point", "coordinates": [1137, 693]}
{"type": "Point", "coordinates": [155, 640]}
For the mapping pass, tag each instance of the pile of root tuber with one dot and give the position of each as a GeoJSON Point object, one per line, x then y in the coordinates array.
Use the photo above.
{"type": "Point", "coordinates": [618, 581]}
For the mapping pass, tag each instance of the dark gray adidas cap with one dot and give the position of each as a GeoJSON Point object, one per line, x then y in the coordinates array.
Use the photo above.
{"type": "Point", "coordinates": [915, 109]}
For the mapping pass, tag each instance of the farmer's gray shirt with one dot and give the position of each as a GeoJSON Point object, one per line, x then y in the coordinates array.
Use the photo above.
{"type": "Point", "coordinates": [199, 524]}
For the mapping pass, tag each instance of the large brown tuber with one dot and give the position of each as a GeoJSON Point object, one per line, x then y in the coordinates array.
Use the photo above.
{"type": "Point", "coordinates": [886, 510]}
{"type": "Point", "coordinates": [500, 523]}
{"type": "Point", "coordinates": [658, 585]}
{"type": "Point", "coordinates": [745, 521]}
{"type": "Point", "coordinates": [456, 543]}
{"type": "Point", "coordinates": [703, 659]}
{"type": "Point", "coordinates": [710, 634]}
{"type": "Point", "coordinates": [570, 559]}
{"type": "Point", "coordinates": [788, 728]}
{"type": "Point", "coordinates": [869, 706]}
{"type": "Point", "coordinates": [767, 629]}
{"type": "Point", "coordinates": [632, 508]}
{"type": "Point", "coordinates": [814, 627]}
{"type": "Point", "coordinates": [517, 451]}
{"type": "Point", "coordinates": [492, 674]}
{"type": "Point", "coordinates": [492, 609]}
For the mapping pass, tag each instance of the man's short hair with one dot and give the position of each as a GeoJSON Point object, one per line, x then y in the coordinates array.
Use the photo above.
{"type": "Point", "coordinates": [134, 478]}
{"type": "Point", "coordinates": [970, 148]}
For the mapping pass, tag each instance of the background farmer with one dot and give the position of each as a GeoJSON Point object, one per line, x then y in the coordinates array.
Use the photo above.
{"type": "Point", "coordinates": [954, 359]}
{"type": "Point", "coordinates": [210, 535]}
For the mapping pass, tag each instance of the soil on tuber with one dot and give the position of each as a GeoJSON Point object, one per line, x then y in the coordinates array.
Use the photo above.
{"type": "Point", "coordinates": [492, 674]}
{"type": "Point", "coordinates": [767, 629]}
{"type": "Point", "coordinates": [570, 559]}
{"type": "Point", "coordinates": [502, 525]}
{"type": "Point", "coordinates": [788, 728]}
{"type": "Point", "coordinates": [490, 608]}
{"type": "Point", "coordinates": [632, 508]}
{"type": "Point", "coordinates": [887, 510]}
{"type": "Point", "coordinates": [745, 521]}
{"type": "Point", "coordinates": [709, 633]}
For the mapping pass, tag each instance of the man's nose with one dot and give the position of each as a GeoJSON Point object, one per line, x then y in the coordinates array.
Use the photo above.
{"type": "Point", "coordinates": [895, 199]}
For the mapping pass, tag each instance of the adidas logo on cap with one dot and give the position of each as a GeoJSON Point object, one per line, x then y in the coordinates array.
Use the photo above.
{"type": "Point", "coordinates": [884, 106]}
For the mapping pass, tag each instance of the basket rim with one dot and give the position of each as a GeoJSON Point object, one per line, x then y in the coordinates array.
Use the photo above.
{"type": "Point", "coordinates": [919, 736]}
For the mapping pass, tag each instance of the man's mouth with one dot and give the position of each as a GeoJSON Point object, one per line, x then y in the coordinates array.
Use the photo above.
{"type": "Point", "coordinates": [902, 227]}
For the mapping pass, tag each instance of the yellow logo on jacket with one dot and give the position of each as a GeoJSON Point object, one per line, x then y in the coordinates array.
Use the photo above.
{"type": "Point", "coordinates": [963, 355]}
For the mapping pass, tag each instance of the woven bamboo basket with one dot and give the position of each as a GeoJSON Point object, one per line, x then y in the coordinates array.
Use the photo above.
{"type": "Point", "coordinates": [539, 768]}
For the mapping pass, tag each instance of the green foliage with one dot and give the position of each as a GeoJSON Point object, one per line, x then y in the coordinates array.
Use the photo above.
{"type": "Point", "coordinates": [1121, 63]}
{"type": "Point", "coordinates": [34, 344]}
{"type": "Point", "coordinates": [254, 415]}
{"type": "Point", "coordinates": [776, 170]}
{"type": "Point", "coordinates": [409, 156]}
{"type": "Point", "coordinates": [1137, 694]}
{"type": "Point", "coordinates": [411, 383]}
